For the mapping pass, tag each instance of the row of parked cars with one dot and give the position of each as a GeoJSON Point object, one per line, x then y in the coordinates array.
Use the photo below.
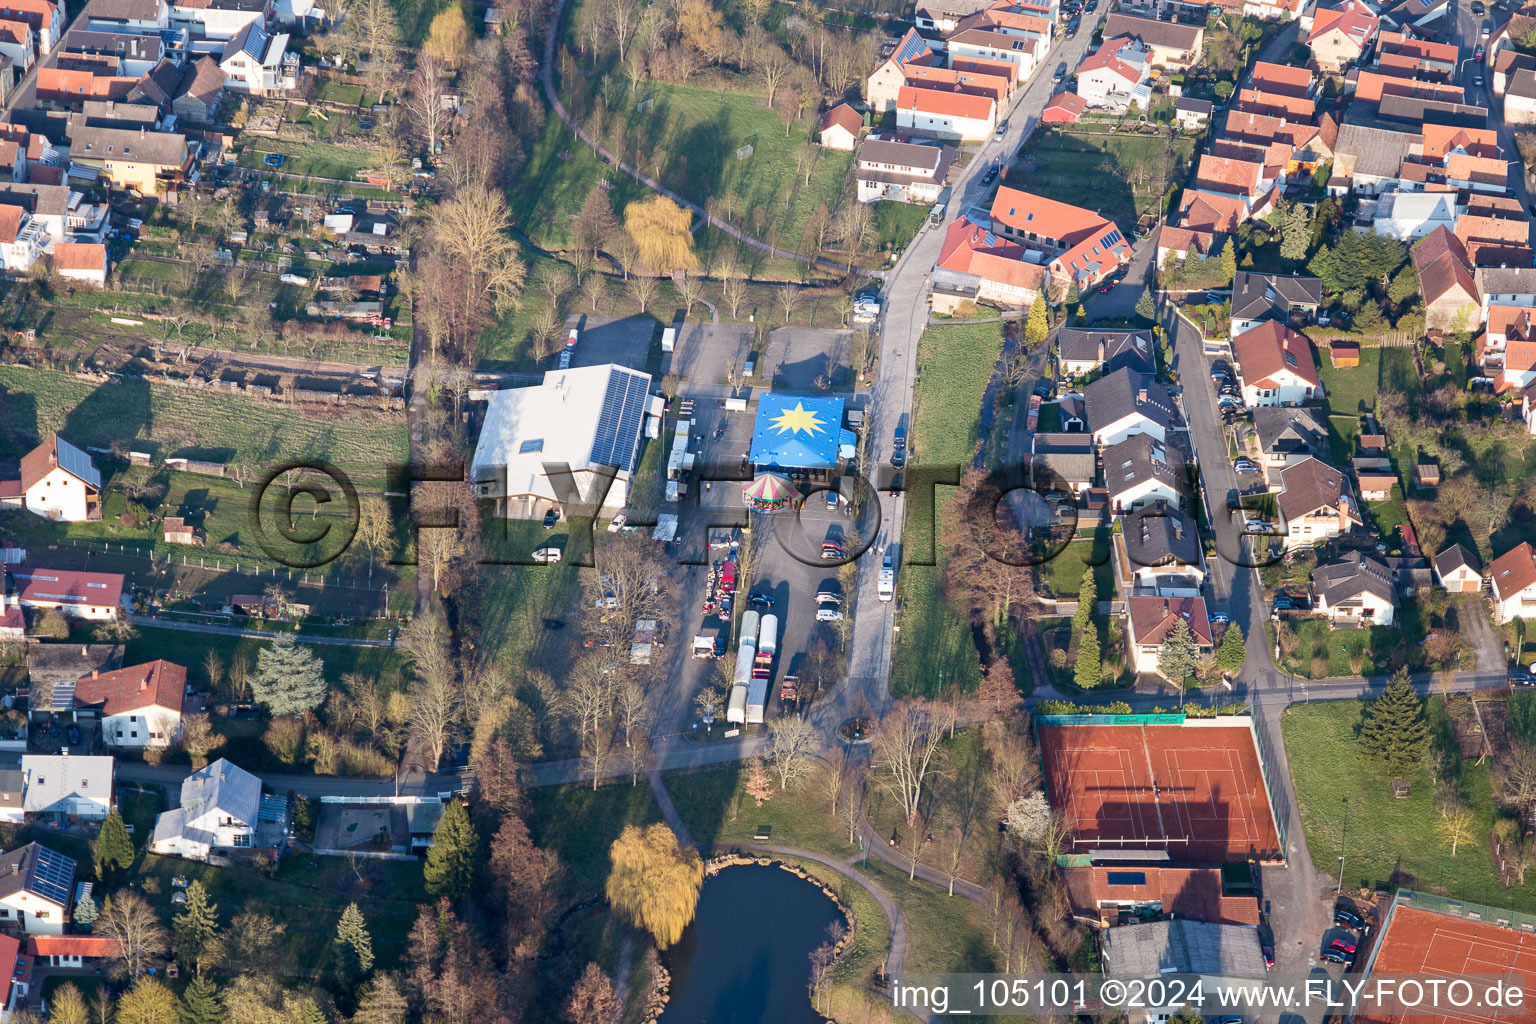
{"type": "Point", "coordinates": [1341, 949]}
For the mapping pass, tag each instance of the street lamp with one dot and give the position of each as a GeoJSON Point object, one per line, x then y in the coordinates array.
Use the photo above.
{"type": "Point", "coordinates": [1343, 834]}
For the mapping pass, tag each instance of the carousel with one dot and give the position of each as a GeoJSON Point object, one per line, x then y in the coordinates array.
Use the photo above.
{"type": "Point", "coordinates": [769, 493]}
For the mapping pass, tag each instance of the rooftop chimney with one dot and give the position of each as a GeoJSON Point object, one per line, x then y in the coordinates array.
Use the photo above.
{"type": "Point", "coordinates": [1141, 395]}
{"type": "Point", "coordinates": [94, 673]}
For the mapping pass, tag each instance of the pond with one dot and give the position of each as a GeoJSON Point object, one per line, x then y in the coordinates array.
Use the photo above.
{"type": "Point", "coordinates": [746, 957]}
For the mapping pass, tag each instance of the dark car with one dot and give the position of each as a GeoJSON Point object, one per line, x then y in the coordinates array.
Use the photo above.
{"type": "Point", "coordinates": [1342, 945]}
{"type": "Point", "coordinates": [551, 518]}
{"type": "Point", "coordinates": [1269, 956]}
{"type": "Point", "coordinates": [1522, 680]}
{"type": "Point", "coordinates": [1344, 916]}
{"type": "Point", "coordinates": [990, 176]}
{"type": "Point", "coordinates": [1061, 72]}
{"type": "Point", "coordinates": [760, 600]}
{"type": "Point", "coordinates": [1477, 7]}
{"type": "Point", "coordinates": [1333, 956]}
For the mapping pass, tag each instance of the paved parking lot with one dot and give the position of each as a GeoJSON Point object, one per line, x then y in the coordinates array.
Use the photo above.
{"type": "Point", "coordinates": [628, 340]}
{"type": "Point", "coordinates": [807, 359]}
{"type": "Point", "coordinates": [708, 353]}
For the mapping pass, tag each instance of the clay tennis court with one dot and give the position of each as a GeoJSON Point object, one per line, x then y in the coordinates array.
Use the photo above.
{"type": "Point", "coordinates": [1423, 944]}
{"type": "Point", "coordinates": [1194, 790]}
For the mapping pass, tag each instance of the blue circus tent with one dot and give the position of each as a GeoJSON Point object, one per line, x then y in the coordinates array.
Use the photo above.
{"type": "Point", "coordinates": [796, 432]}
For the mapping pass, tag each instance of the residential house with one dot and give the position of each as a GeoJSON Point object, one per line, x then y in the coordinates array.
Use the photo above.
{"type": "Point", "coordinates": [37, 887]}
{"type": "Point", "coordinates": [1113, 892]}
{"type": "Point", "coordinates": [981, 44]}
{"type": "Point", "coordinates": [198, 96]}
{"type": "Point", "coordinates": [1505, 63]}
{"type": "Point", "coordinates": [1501, 286]}
{"type": "Point", "coordinates": [1520, 97]}
{"type": "Point", "coordinates": [1140, 471]}
{"type": "Point", "coordinates": [1235, 176]}
{"type": "Point", "coordinates": [1414, 13]}
{"type": "Point", "coordinates": [994, 82]}
{"type": "Point", "coordinates": [1062, 462]}
{"type": "Point", "coordinates": [902, 171]}
{"type": "Point", "coordinates": [66, 788]}
{"type": "Point", "coordinates": [977, 265]}
{"type": "Point", "coordinates": [1506, 350]}
{"type": "Point", "coordinates": [128, 16]}
{"type": "Point", "coordinates": [1202, 219]}
{"type": "Point", "coordinates": [1172, 45]}
{"type": "Point", "coordinates": [1064, 108]}
{"type": "Point", "coordinates": [1355, 591]}
{"type": "Point", "coordinates": [1115, 75]}
{"type": "Point", "coordinates": [1342, 35]}
{"type": "Point", "coordinates": [46, 20]}
{"type": "Point", "coordinates": [840, 127]}
{"type": "Point", "coordinates": [58, 481]}
{"type": "Point", "coordinates": [1281, 298]}
{"type": "Point", "coordinates": [1150, 620]}
{"type": "Point", "coordinates": [1287, 435]}
{"type": "Point", "coordinates": [1513, 575]}
{"type": "Point", "coordinates": [1082, 350]}
{"type": "Point", "coordinates": [1315, 504]}
{"type": "Point", "coordinates": [1408, 216]}
{"type": "Point", "coordinates": [220, 19]}
{"type": "Point", "coordinates": [22, 239]}
{"type": "Point", "coordinates": [1447, 283]}
{"type": "Point", "coordinates": [11, 785]}
{"type": "Point", "coordinates": [18, 43]}
{"type": "Point", "coordinates": [1343, 353]}
{"type": "Point", "coordinates": [139, 706]}
{"type": "Point", "coordinates": [135, 54]}
{"type": "Point", "coordinates": [1459, 570]}
{"type": "Point", "coordinates": [885, 82]}
{"type": "Point", "coordinates": [220, 805]}
{"type": "Point", "coordinates": [1086, 248]}
{"type": "Point", "coordinates": [156, 87]}
{"type": "Point", "coordinates": [80, 595]}
{"type": "Point", "coordinates": [1374, 477]}
{"type": "Point", "coordinates": [1273, 10]}
{"type": "Point", "coordinates": [81, 261]}
{"type": "Point", "coordinates": [1369, 157]}
{"type": "Point", "coordinates": [60, 88]}
{"type": "Point", "coordinates": [1161, 550]}
{"type": "Point", "coordinates": [1125, 403]}
{"type": "Point", "coordinates": [1276, 366]}
{"type": "Point", "coordinates": [257, 62]}
{"type": "Point", "coordinates": [946, 115]}
{"type": "Point", "coordinates": [131, 158]}
{"type": "Point", "coordinates": [1191, 114]}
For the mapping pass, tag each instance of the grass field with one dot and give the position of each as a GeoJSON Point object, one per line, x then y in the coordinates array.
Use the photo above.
{"type": "Point", "coordinates": [1346, 804]}
{"type": "Point", "coordinates": [309, 158]}
{"type": "Point", "coordinates": [934, 647]}
{"type": "Point", "coordinates": [181, 422]}
{"type": "Point", "coordinates": [716, 809]}
{"type": "Point", "coordinates": [688, 140]}
{"type": "Point", "coordinates": [945, 934]}
{"type": "Point", "coordinates": [519, 598]}
{"type": "Point", "coordinates": [580, 825]}
{"type": "Point", "coordinates": [1122, 176]}
{"type": "Point", "coordinates": [897, 223]}
{"type": "Point", "coordinates": [1064, 573]}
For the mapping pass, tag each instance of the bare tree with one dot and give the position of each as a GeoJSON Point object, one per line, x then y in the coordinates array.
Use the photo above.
{"type": "Point", "coordinates": [631, 583]}
{"type": "Point", "coordinates": [952, 851]}
{"type": "Point", "coordinates": [690, 289]}
{"type": "Point", "coordinates": [711, 702]}
{"type": "Point", "coordinates": [620, 15]}
{"type": "Point", "coordinates": [788, 298]}
{"type": "Point", "coordinates": [774, 67]}
{"type": "Point", "coordinates": [833, 774]}
{"type": "Point", "coordinates": [791, 753]}
{"type": "Point", "coordinates": [852, 811]}
{"type": "Point", "coordinates": [732, 291]}
{"type": "Point", "coordinates": [134, 924]}
{"type": "Point", "coordinates": [906, 753]}
{"type": "Point", "coordinates": [643, 290]}
{"type": "Point", "coordinates": [1514, 776]}
{"type": "Point", "coordinates": [632, 711]}
{"type": "Point", "coordinates": [424, 104]}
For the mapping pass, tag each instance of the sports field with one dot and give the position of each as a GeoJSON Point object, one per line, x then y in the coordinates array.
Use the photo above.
{"type": "Point", "coordinates": [1423, 944]}
{"type": "Point", "coordinates": [1195, 790]}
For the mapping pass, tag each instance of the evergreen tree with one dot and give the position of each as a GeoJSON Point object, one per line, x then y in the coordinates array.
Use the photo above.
{"type": "Point", "coordinates": [288, 678]}
{"type": "Point", "coordinates": [1229, 261]}
{"type": "Point", "coordinates": [1146, 305]}
{"type": "Point", "coordinates": [195, 928]}
{"type": "Point", "coordinates": [354, 947]}
{"type": "Point", "coordinates": [1038, 326]}
{"type": "Point", "coordinates": [1078, 316]}
{"type": "Point", "coordinates": [1404, 286]}
{"type": "Point", "coordinates": [1087, 597]}
{"type": "Point", "coordinates": [450, 868]}
{"type": "Point", "coordinates": [85, 912]}
{"type": "Point", "coordinates": [114, 847]}
{"type": "Point", "coordinates": [1295, 233]}
{"type": "Point", "coordinates": [1073, 295]}
{"type": "Point", "coordinates": [1230, 653]}
{"type": "Point", "coordinates": [381, 1002]}
{"type": "Point", "coordinates": [1087, 671]}
{"type": "Point", "coordinates": [1177, 658]}
{"type": "Point", "coordinates": [1394, 731]}
{"type": "Point", "coordinates": [200, 1003]}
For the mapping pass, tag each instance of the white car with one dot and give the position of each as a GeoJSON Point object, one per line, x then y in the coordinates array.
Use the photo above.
{"type": "Point", "coordinates": [1256, 526]}
{"type": "Point", "coordinates": [828, 613]}
{"type": "Point", "coordinates": [547, 556]}
{"type": "Point", "coordinates": [618, 523]}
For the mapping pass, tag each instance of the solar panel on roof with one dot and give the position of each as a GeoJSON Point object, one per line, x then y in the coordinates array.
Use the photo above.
{"type": "Point", "coordinates": [618, 426]}
{"type": "Point", "coordinates": [52, 875]}
{"type": "Point", "coordinates": [915, 46]}
{"type": "Point", "coordinates": [75, 461]}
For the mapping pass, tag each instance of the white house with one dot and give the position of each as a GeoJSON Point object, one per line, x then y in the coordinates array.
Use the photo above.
{"type": "Point", "coordinates": [1124, 403]}
{"type": "Point", "coordinates": [81, 261]}
{"type": "Point", "coordinates": [22, 239]}
{"type": "Point", "coordinates": [58, 481]}
{"type": "Point", "coordinates": [1408, 216]}
{"type": "Point", "coordinates": [138, 706]}
{"type": "Point", "coordinates": [1459, 570]}
{"type": "Point", "coordinates": [1355, 591]}
{"type": "Point", "coordinates": [1150, 620]}
{"type": "Point", "coordinates": [18, 42]}
{"type": "Point", "coordinates": [220, 19]}
{"type": "Point", "coordinates": [80, 595]}
{"type": "Point", "coordinates": [135, 16]}
{"type": "Point", "coordinates": [1315, 503]}
{"type": "Point", "coordinates": [258, 62]}
{"type": "Point", "coordinates": [1276, 367]}
{"type": "Point", "coordinates": [1082, 350]}
{"type": "Point", "coordinates": [1514, 583]}
{"type": "Point", "coordinates": [946, 115]}
{"type": "Point", "coordinates": [37, 889]}
{"type": "Point", "coordinates": [555, 445]}
{"type": "Point", "coordinates": [1112, 76]}
{"type": "Point", "coordinates": [1141, 471]}
{"type": "Point", "coordinates": [840, 128]}
{"type": "Point", "coordinates": [902, 171]}
{"type": "Point", "coordinates": [1161, 549]}
{"type": "Point", "coordinates": [66, 788]}
{"type": "Point", "coordinates": [219, 809]}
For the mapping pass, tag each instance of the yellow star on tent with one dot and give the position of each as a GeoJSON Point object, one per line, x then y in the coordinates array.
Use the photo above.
{"type": "Point", "coordinates": [797, 419]}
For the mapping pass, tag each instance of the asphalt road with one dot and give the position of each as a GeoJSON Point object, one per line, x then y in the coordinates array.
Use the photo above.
{"type": "Point", "coordinates": [1467, 35]}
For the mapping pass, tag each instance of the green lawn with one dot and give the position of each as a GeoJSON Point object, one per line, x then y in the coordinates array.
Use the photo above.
{"type": "Point", "coordinates": [1342, 432]}
{"type": "Point", "coordinates": [717, 810]}
{"type": "Point", "coordinates": [580, 824]}
{"type": "Point", "coordinates": [1351, 390]}
{"type": "Point", "coordinates": [518, 599]}
{"type": "Point", "coordinates": [190, 649]}
{"type": "Point", "coordinates": [1122, 176]}
{"type": "Point", "coordinates": [331, 91]}
{"type": "Point", "coordinates": [688, 140]}
{"type": "Point", "coordinates": [934, 647]}
{"type": "Point", "coordinates": [1064, 573]}
{"type": "Point", "coordinates": [309, 158]}
{"type": "Point", "coordinates": [945, 934]}
{"type": "Point", "coordinates": [1324, 651]}
{"type": "Point", "coordinates": [1386, 841]}
{"type": "Point", "coordinates": [897, 223]}
{"type": "Point", "coordinates": [170, 422]}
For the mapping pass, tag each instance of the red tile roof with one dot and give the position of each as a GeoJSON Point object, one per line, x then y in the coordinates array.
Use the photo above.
{"type": "Point", "coordinates": [67, 587]}
{"type": "Point", "coordinates": [1282, 79]}
{"type": "Point", "coordinates": [1354, 20]}
{"type": "Point", "coordinates": [10, 219]}
{"type": "Point", "coordinates": [80, 256]}
{"type": "Point", "coordinates": [1064, 106]}
{"type": "Point", "coordinates": [1107, 57]}
{"type": "Point", "coordinates": [994, 87]}
{"type": "Point", "coordinates": [1441, 139]}
{"type": "Point", "coordinates": [1264, 351]}
{"type": "Point", "coordinates": [18, 32]}
{"type": "Point", "coordinates": [1513, 571]}
{"type": "Point", "coordinates": [944, 102]}
{"type": "Point", "coordinates": [972, 249]}
{"type": "Point", "coordinates": [1153, 618]}
{"type": "Point", "coordinates": [160, 684]}
{"type": "Point", "coordinates": [95, 946]}
{"type": "Point", "coordinates": [1228, 174]}
{"type": "Point", "coordinates": [845, 117]}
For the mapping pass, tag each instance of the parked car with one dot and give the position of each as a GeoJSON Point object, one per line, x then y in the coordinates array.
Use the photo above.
{"type": "Point", "coordinates": [1478, 8]}
{"type": "Point", "coordinates": [1221, 619]}
{"type": "Point", "coordinates": [1269, 955]}
{"type": "Point", "coordinates": [1244, 466]}
{"type": "Point", "coordinates": [1106, 286]}
{"type": "Point", "coordinates": [831, 499]}
{"type": "Point", "coordinates": [551, 518]}
{"type": "Point", "coordinates": [990, 176]}
{"type": "Point", "coordinates": [1342, 945]}
{"type": "Point", "coordinates": [1333, 956]}
{"type": "Point", "coordinates": [1256, 526]}
{"type": "Point", "coordinates": [760, 601]}
{"type": "Point", "coordinates": [547, 555]}
{"type": "Point", "coordinates": [1002, 129]}
{"type": "Point", "coordinates": [1061, 72]}
{"type": "Point", "coordinates": [832, 549]}
{"type": "Point", "coordinates": [828, 613]}
{"type": "Point", "coordinates": [1522, 680]}
{"type": "Point", "coordinates": [1348, 918]}
{"type": "Point", "coordinates": [828, 597]}
{"type": "Point", "coordinates": [618, 523]}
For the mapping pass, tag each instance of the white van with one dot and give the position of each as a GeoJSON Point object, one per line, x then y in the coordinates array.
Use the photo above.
{"type": "Point", "coordinates": [887, 582]}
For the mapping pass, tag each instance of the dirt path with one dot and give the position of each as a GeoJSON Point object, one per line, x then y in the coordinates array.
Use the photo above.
{"type": "Point", "coordinates": [1479, 634]}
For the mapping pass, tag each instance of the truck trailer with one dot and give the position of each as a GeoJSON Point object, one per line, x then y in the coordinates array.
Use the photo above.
{"type": "Point", "coordinates": [741, 676]}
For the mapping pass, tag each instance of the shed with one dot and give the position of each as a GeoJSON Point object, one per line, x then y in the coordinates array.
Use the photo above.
{"type": "Point", "coordinates": [1426, 474]}
{"type": "Point", "coordinates": [1344, 353]}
